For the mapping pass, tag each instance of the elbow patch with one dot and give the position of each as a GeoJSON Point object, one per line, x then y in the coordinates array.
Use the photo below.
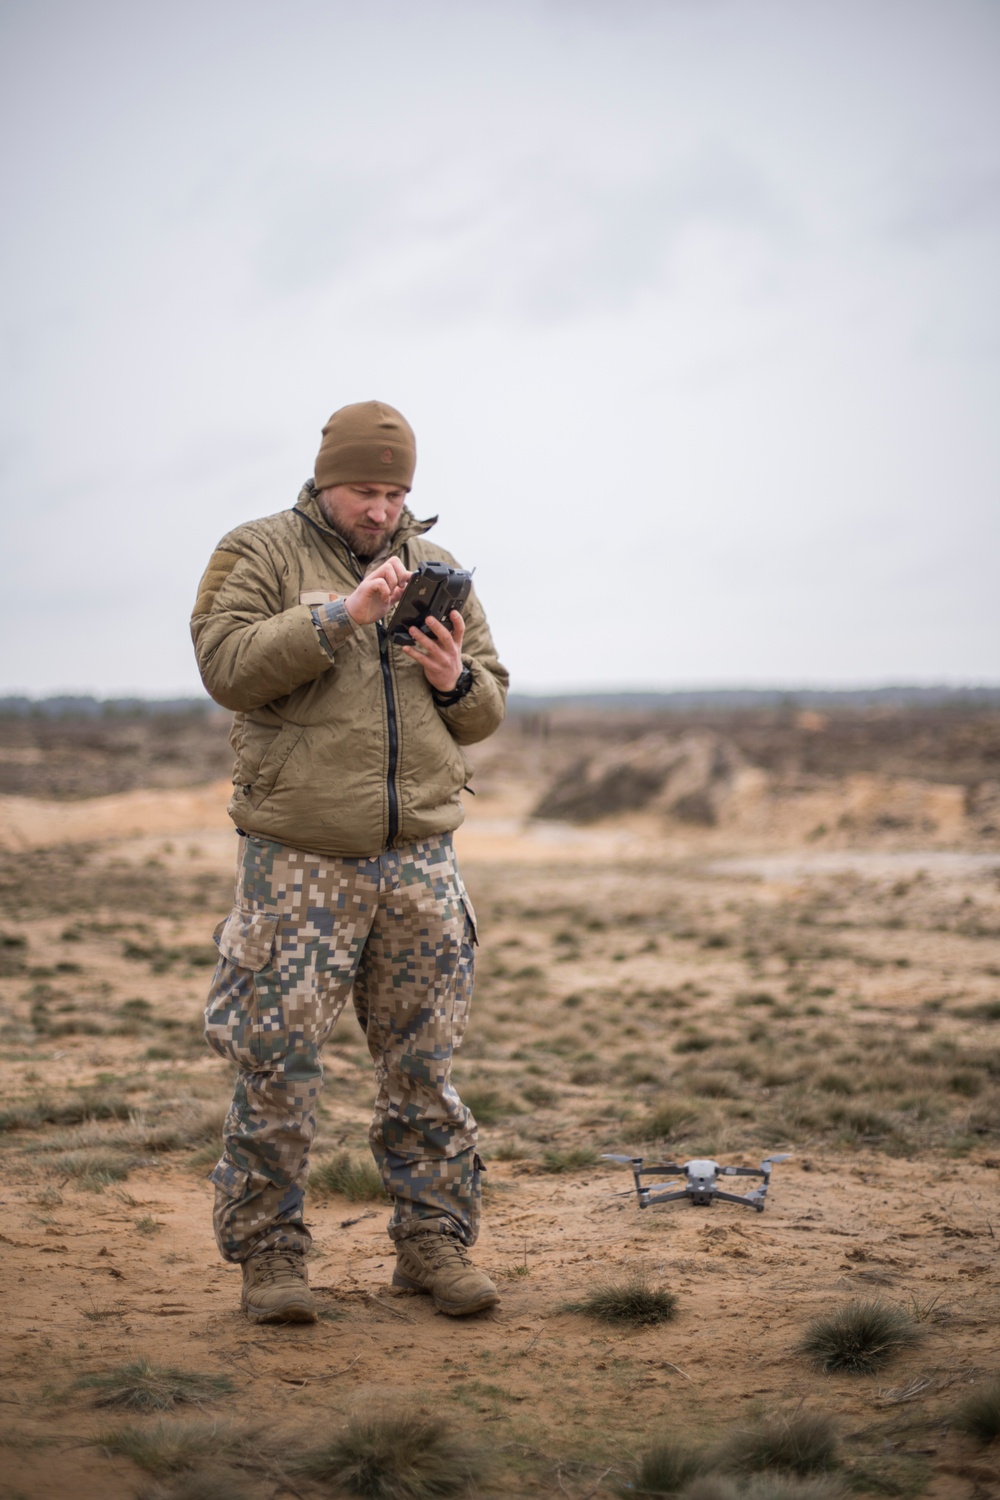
{"type": "Point", "coordinates": [220, 565]}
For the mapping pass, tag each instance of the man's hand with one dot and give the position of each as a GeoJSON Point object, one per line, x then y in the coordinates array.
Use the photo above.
{"type": "Point", "coordinates": [376, 594]}
{"type": "Point", "coordinates": [439, 654]}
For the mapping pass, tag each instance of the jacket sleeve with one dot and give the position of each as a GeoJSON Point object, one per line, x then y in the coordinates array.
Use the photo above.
{"type": "Point", "coordinates": [251, 649]}
{"type": "Point", "coordinates": [482, 710]}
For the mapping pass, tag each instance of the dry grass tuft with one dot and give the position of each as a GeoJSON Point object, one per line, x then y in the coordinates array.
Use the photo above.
{"type": "Point", "coordinates": [141, 1386]}
{"type": "Point", "coordinates": [667, 1122]}
{"type": "Point", "coordinates": [167, 1446]}
{"type": "Point", "coordinates": [805, 1443]}
{"type": "Point", "coordinates": [489, 1105]}
{"type": "Point", "coordinates": [210, 1483]}
{"type": "Point", "coordinates": [632, 1301]}
{"type": "Point", "coordinates": [93, 1170]}
{"type": "Point", "coordinates": [38, 1113]}
{"type": "Point", "coordinates": [979, 1413]}
{"type": "Point", "coordinates": [706, 1487]}
{"type": "Point", "coordinates": [351, 1177]}
{"type": "Point", "coordinates": [789, 1487]}
{"type": "Point", "coordinates": [570, 1159]}
{"type": "Point", "coordinates": [384, 1457]}
{"type": "Point", "coordinates": [665, 1469]}
{"type": "Point", "coordinates": [861, 1337]}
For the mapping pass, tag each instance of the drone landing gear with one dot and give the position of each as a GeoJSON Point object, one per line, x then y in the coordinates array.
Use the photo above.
{"type": "Point", "coordinates": [701, 1181]}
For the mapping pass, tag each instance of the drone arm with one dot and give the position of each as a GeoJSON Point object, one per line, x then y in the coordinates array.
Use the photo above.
{"type": "Point", "coordinates": [650, 1195]}
{"type": "Point", "coordinates": [749, 1200]}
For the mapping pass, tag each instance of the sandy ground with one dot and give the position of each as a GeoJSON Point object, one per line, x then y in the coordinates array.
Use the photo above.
{"type": "Point", "coordinates": [620, 970]}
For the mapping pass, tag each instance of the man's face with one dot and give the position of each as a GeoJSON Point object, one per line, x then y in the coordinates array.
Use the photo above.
{"type": "Point", "coordinates": [366, 515]}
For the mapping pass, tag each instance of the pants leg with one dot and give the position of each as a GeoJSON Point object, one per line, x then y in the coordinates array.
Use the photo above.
{"type": "Point", "coordinates": [412, 993]}
{"type": "Point", "coordinates": [289, 952]}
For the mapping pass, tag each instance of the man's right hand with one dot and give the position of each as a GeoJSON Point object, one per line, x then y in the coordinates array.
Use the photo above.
{"type": "Point", "coordinates": [378, 592]}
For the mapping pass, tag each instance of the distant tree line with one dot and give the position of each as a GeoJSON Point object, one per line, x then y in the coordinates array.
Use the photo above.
{"type": "Point", "coordinates": [85, 705]}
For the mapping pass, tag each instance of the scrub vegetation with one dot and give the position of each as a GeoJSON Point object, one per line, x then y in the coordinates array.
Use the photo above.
{"type": "Point", "coordinates": [392, 1456]}
{"type": "Point", "coordinates": [632, 1301]}
{"type": "Point", "coordinates": [861, 1337]}
{"type": "Point", "coordinates": [656, 1002]}
{"type": "Point", "coordinates": [140, 1386]}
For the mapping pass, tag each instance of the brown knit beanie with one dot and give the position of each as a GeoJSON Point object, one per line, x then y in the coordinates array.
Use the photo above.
{"type": "Point", "coordinates": [368, 443]}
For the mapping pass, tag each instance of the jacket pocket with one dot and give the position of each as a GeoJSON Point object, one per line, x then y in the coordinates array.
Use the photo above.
{"type": "Point", "coordinates": [273, 763]}
{"type": "Point", "coordinates": [246, 938]}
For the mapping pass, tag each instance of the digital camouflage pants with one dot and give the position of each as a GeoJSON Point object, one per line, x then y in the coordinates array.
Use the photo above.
{"type": "Point", "coordinates": [304, 931]}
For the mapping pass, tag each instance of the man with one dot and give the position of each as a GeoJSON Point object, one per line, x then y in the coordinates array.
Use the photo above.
{"type": "Point", "coordinates": [349, 765]}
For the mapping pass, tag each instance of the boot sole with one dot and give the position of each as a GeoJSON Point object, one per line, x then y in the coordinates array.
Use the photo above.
{"type": "Point", "coordinates": [293, 1314]}
{"type": "Point", "coordinates": [453, 1309]}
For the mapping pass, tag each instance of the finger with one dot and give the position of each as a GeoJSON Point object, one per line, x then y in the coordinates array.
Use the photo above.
{"type": "Point", "coordinates": [440, 653]}
{"type": "Point", "coordinates": [458, 626]}
{"type": "Point", "coordinates": [439, 628]}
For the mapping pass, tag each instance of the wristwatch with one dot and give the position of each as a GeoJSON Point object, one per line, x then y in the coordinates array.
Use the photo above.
{"type": "Point", "coordinates": [458, 692]}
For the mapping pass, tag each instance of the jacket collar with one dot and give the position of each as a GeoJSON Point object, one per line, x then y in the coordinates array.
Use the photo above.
{"type": "Point", "coordinates": [409, 527]}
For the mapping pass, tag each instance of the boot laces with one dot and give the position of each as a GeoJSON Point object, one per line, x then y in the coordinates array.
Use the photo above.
{"type": "Point", "coordinates": [439, 1248]}
{"type": "Point", "coordinates": [277, 1265]}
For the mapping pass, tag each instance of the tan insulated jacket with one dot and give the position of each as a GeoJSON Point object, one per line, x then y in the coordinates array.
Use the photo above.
{"type": "Point", "coordinates": [340, 748]}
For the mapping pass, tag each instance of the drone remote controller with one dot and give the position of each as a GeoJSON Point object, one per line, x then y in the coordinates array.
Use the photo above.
{"type": "Point", "coordinates": [434, 590]}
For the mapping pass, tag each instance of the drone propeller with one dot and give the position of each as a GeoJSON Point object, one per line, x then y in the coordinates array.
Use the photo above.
{"type": "Point", "coordinates": [629, 1161]}
{"type": "Point", "coordinates": [786, 1157]}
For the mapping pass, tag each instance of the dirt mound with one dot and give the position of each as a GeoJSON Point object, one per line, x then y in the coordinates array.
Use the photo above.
{"type": "Point", "coordinates": [684, 777]}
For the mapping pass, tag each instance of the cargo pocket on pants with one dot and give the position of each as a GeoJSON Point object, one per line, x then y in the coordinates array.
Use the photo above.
{"type": "Point", "coordinates": [465, 976]}
{"type": "Point", "coordinates": [246, 938]}
{"type": "Point", "coordinates": [233, 1180]}
{"type": "Point", "coordinates": [232, 1021]}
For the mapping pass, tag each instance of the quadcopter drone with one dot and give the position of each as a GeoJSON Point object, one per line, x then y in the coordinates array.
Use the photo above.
{"type": "Point", "coordinates": [701, 1187]}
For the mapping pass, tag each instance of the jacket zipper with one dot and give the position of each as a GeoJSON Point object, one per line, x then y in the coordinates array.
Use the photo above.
{"type": "Point", "coordinates": [390, 709]}
{"type": "Point", "coordinates": [390, 692]}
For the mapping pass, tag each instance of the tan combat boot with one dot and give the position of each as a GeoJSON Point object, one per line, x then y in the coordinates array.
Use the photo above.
{"type": "Point", "coordinates": [440, 1264]}
{"type": "Point", "coordinates": [276, 1288]}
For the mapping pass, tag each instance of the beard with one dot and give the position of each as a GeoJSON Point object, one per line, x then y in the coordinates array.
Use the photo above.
{"type": "Point", "coordinates": [365, 544]}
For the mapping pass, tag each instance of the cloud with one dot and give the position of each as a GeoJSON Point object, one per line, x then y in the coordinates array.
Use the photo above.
{"type": "Point", "coordinates": [947, 199]}
{"type": "Point", "coordinates": [538, 238]}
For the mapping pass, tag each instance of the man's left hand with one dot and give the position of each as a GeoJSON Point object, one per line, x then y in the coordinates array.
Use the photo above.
{"type": "Point", "coordinates": [440, 654]}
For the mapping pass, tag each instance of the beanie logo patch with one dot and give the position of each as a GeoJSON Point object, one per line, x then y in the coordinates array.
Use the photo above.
{"type": "Point", "coordinates": [386, 455]}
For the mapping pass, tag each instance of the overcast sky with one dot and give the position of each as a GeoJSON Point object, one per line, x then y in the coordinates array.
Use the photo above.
{"type": "Point", "coordinates": [692, 304]}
